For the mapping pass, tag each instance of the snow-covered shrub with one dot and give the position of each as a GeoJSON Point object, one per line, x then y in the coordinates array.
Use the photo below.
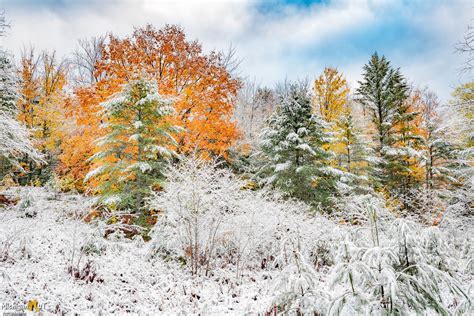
{"type": "Point", "coordinates": [208, 220]}
{"type": "Point", "coordinates": [25, 207]}
{"type": "Point", "coordinates": [262, 220]}
{"type": "Point", "coordinates": [421, 204]}
{"type": "Point", "coordinates": [86, 272]}
{"type": "Point", "coordinates": [197, 200]}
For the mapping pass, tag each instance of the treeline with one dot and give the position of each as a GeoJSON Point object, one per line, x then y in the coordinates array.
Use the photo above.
{"type": "Point", "coordinates": [110, 118]}
{"type": "Point", "coordinates": [322, 142]}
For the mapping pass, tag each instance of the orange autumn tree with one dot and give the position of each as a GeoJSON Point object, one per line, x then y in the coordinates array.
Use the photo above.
{"type": "Point", "coordinates": [29, 88]}
{"type": "Point", "coordinates": [78, 146]}
{"type": "Point", "coordinates": [203, 88]}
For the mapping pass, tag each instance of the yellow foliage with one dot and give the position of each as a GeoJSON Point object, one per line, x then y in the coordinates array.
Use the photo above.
{"type": "Point", "coordinates": [41, 105]}
{"type": "Point", "coordinates": [331, 91]}
{"type": "Point", "coordinates": [250, 185]}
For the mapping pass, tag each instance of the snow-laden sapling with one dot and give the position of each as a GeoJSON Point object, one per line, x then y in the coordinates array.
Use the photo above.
{"type": "Point", "coordinates": [25, 206]}
{"type": "Point", "coordinates": [197, 200]}
{"type": "Point", "coordinates": [298, 289]}
{"type": "Point", "coordinates": [397, 271]}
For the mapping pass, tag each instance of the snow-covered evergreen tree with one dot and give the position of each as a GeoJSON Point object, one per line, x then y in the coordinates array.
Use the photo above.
{"type": "Point", "coordinates": [403, 152]}
{"type": "Point", "coordinates": [382, 92]}
{"type": "Point", "coordinates": [8, 84]}
{"type": "Point", "coordinates": [15, 144]}
{"type": "Point", "coordinates": [353, 155]}
{"type": "Point", "coordinates": [137, 145]}
{"type": "Point", "coordinates": [292, 147]}
{"type": "Point", "coordinates": [447, 132]}
{"type": "Point", "coordinates": [15, 141]}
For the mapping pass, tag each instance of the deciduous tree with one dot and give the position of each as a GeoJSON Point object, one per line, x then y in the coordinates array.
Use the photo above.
{"type": "Point", "coordinates": [330, 94]}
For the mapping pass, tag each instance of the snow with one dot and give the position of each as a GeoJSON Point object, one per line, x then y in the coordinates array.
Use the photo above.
{"type": "Point", "coordinates": [95, 172]}
{"type": "Point", "coordinates": [267, 252]}
{"type": "Point", "coordinates": [41, 251]}
{"type": "Point", "coordinates": [283, 166]}
{"type": "Point", "coordinates": [143, 166]}
{"type": "Point", "coordinates": [15, 141]}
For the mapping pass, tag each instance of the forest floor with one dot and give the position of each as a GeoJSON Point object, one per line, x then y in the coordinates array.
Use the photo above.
{"type": "Point", "coordinates": [49, 254]}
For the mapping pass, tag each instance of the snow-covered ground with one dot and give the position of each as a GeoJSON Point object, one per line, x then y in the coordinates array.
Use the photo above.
{"type": "Point", "coordinates": [39, 249]}
{"type": "Point", "coordinates": [49, 254]}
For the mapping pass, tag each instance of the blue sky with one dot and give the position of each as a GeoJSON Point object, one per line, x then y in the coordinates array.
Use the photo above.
{"type": "Point", "coordinates": [275, 39]}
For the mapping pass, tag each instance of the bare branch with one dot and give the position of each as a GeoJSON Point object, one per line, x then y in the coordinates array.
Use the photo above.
{"type": "Point", "coordinates": [85, 58]}
{"type": "Point", "coordinates": [466, 47]}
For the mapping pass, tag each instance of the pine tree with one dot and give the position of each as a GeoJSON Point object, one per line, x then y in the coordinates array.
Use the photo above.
{"type": "Point", "coordinates": [403, 157]}
{"type": "Point", "coordinates": [383, 92]}
{"type": "Point", "coordinates": [353, 154]}
{"type": "Point", "coordinates": [8, 85]}
{"type": "Point", "coordinates": [15, 141]}
{"type": "Point", "coordinates": [139, 142]}
{"type": "Point", "coordinates": [292, 146]}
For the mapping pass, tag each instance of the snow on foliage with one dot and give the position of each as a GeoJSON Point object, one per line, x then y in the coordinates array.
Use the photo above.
{"type": "Point", "coordinates": [15, 142]}
{"type": "Point", "coordinates": [218, 248]}
{"type": "Point", "coordinates": [125, 170]}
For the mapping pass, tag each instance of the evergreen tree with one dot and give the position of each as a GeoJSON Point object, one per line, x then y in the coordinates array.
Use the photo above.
{"type": "Point", "coordinates": [353, 155]}
{"type": "Point", "coordinates": [404, 156]}
{"type": "Point", "coordinates": [383, 92]}
{"type": "Point", "coordinates": [292, 146]}
{"type": "Point", "coordinates": [8, 85]}
{"type": "Point", "coordinates": [133, 153]}
{"type": "Point", "coordinates": [15, 141]}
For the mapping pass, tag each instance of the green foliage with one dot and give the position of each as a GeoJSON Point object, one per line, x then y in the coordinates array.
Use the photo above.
{"type": "Point", "coordinates": [137, 146]}
{"type": "Point", "coordinates": [353, 155]}
{"type": "Point", "coordinates": [8, 85]}
{"type": "Point", "coordinates": [383, 92]}
{"type": "Point", "coordinates": [292, 148]}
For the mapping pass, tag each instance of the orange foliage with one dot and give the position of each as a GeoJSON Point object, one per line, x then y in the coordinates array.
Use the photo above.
{"type": "Point", "coordinates": [204, 88]}
{"type": "Point", "coordinates": [330, 94]}
{"type": "Point", "coordinates": [79, 146]}
{"type": "Point", "coordinates": [204, 92]}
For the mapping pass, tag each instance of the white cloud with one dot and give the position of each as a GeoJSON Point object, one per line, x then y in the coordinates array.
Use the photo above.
{"type": "Point", "coordinates": [272, 45]}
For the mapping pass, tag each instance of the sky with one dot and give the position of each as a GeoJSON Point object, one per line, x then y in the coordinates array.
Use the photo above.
{"type": "Point", "coordinates": [274, 39]}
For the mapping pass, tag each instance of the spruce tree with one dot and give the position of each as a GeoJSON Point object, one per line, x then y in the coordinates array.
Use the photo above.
{"type": "Point", "coordinates": [292, 147]}
{"type": "Point", "coordinates": [383, 92]}
{"type": "Point", "coordinates": [15, 143]}
{"type": "Point", "coordinates": [132, 155]}
{"type": "Point", "coordinates": [8, 85]}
